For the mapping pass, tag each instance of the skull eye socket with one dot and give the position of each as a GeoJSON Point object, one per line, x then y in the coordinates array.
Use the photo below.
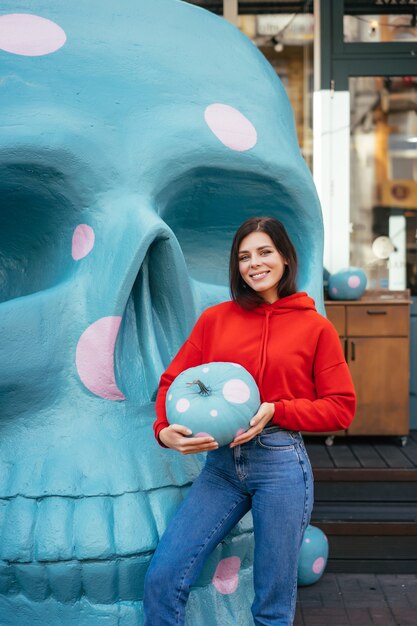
{"type": "Point", "coordinates": [205, 207]}
{"type": "Point", "coordinates": [37, 217]}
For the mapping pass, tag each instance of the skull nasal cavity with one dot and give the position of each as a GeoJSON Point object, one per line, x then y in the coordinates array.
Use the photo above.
{"type": "Point", "coordinates": [37, 220]}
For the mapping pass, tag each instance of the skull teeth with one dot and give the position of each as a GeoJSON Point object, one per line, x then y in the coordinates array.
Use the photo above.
{"type": "Point", "coordinates": [57, 528]}
{"type": "Point", "coordinates": [103, 581]}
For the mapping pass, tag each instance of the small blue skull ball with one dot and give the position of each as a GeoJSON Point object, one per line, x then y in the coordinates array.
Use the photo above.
{"type": "Point", "coordinates": [313, 556]}
{"type": "Point", "coordinates": [348, 284]}
{"type": "Point", "coordinates": [217, 399]}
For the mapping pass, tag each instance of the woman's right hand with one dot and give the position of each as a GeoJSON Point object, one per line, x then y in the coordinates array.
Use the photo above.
{"type": "Point", "coordinates": [178, 438]}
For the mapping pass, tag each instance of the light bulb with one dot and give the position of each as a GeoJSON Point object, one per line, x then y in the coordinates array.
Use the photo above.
{"type": "Point", "coordinates": [373, 27]}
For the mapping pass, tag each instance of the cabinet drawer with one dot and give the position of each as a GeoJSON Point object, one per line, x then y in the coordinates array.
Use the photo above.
{"type": "Point", "coordinates": [337, 316]}
{"type": "Point", "coordinates": [374, 320]}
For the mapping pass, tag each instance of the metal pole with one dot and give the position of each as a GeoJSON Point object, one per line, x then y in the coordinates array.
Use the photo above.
{"type": "Point", "coordinates": [230, 10]}
{"type": "Point", "coordinates": [317, 45]}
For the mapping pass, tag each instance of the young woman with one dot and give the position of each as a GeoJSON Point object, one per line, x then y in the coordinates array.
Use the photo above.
{"type": "Point", "coordinates": [295, 356]}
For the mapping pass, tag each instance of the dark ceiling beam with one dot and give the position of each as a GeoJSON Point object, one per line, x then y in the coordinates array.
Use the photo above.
{"type": "Point", "coordinates": [254, 7]}
{"type": "Point", "coordinates": [352, 7]}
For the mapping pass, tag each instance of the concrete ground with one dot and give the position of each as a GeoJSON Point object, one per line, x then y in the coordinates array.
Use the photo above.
{"type": "Point", "coordinates": [359, 600]}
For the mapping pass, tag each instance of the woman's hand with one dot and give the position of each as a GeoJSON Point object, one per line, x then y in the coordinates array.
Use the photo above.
{"type": "Point", "coordinates": [178, 438]}
{"type": "Point", "coordinates": [258, 422]}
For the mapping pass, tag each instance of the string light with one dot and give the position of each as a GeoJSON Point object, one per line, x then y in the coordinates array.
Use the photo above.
{"type": "Point", "coordinates": [277, 39]}
{"type": "Point", "coordinates": [373, 24]}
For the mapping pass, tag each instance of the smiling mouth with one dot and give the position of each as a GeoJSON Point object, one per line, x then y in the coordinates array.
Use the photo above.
{"type": "Point", "coordinates": [259, 276]}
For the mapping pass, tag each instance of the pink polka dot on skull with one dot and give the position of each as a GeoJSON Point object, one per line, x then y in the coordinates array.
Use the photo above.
{"type": "Point", "coordinates": [318, 565]}
{"type": "Point", "coordinates": [226, 578]}
{"type": "Point", "coordinates": [82, 241]}
{"type": "Point", "coordinates": [231, 127]}
{"type": "Point", "coordinates": [354, 281]}
{"type": "Point", "coordinates": [334, 289]}
{"type": "Point", "coordinates": [236, 391]}
{"type": "Point", "coordinates": [30, 35]}
{"type": "Point", "coordinates": [94, 358]}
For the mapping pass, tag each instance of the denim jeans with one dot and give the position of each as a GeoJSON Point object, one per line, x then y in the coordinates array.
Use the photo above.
{"type": "Point", "coordinates": [271, 475]}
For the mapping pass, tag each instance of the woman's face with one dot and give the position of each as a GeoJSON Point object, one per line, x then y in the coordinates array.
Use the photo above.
{"type": "Point", "coordinates": [261, 265]}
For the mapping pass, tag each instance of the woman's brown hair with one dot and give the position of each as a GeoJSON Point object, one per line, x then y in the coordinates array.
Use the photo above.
{"type": "Point", "coordinates": [241, 293]}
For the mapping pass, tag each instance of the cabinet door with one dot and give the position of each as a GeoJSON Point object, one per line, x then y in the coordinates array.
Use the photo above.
{"type": "Point", "coordinates": [380, 372]}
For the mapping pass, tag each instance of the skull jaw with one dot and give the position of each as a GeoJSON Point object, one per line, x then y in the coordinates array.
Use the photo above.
{"type": "Point", "coordinates": [73, 554]}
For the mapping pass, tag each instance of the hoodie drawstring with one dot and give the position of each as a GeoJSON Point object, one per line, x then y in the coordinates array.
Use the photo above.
{"type": "Point", "coordinates": [299, 301]}
{"type": "Point", "coordinates": [264, 343]}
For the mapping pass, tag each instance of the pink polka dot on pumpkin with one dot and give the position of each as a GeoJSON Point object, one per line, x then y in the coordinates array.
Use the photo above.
{"type": "Point", "coordinates": [30, 35]}
{"type": "Point", "coordinates": [82, 241]}
{"type": "Point", "coordinates": [318, 565]}
{"type": "Point", "coordinates": [226, 577]}
{"type": "Point", "coordinates": [334, 289]}
{"type": "Point", "coordinates": [231, 127]}
{"type": "Point", "coordinates": [182, 405]}
{"type": "Point", "coordinates": [354, 281]}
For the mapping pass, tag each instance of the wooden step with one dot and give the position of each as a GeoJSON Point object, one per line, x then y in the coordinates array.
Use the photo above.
{"type": "Point", "coordinates": [370, 512]}
{"type": "Point", "coordinates": [371, 547]}
{"type": "Point", "coordinates": [363, 453]}
{"type": "Point", "coordinates": [366, 503]}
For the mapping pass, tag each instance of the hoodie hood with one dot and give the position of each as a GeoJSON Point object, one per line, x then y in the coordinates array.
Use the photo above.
{"type": "Point", "coordinates": [297, 301]}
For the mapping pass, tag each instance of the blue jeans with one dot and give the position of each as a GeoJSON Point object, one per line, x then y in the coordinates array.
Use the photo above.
{"type": "Point", "coordinates": [271, 475]}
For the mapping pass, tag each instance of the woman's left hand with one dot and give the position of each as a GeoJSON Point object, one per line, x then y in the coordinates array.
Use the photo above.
{"type": "Point", "coordinates": [258, 422]}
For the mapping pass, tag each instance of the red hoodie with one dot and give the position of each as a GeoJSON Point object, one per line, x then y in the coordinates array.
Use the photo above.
{"type": "Point", "coordinates": [293, 353]}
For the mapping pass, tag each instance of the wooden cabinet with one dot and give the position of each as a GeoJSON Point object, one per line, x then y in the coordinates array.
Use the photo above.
{"type": "Point", "coordinates": [374, 332]}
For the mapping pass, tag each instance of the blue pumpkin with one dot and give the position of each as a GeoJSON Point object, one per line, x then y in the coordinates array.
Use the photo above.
{"type": "Point", "coordinates": [348, 284]}
{"type": "Point", "coordinates": [218, 399]}
{"type": "Point", "coordinates": [313, 556]}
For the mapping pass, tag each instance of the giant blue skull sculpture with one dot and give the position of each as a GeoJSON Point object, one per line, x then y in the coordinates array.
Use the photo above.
{"type": "Point", "coordinates": [136, 137]}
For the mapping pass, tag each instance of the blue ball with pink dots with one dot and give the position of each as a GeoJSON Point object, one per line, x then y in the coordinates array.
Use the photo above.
{"type": "Point", "coordinates": [313, 556]}
{"type": "Point", "coordinates": [348, 284]}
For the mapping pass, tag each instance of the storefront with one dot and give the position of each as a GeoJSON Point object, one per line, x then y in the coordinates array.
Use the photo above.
{"type": "Point", "coordinates": [358, 61]}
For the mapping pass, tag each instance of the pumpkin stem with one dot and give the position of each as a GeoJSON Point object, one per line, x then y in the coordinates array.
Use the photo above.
{"type": "Point", "coordinates": [204, 391]}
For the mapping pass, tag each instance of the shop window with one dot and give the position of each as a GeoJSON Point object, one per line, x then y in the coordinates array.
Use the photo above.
{"type": "Point", "coordinates": [396, 24]}
{"type": "Point", "coordinates": [383, 195]}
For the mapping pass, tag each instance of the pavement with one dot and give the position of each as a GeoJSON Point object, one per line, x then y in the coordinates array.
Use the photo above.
{"type": "Point", "coordinates": [359, 600]}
